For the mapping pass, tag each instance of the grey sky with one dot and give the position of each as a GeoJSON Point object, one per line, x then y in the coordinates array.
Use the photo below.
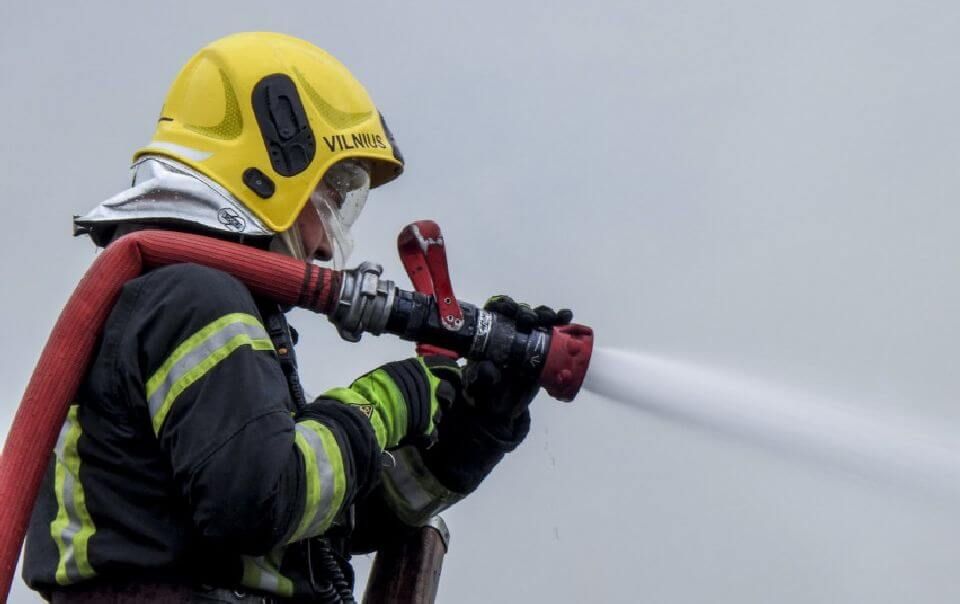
{"type": "Point", "coordinates": [765, 186]}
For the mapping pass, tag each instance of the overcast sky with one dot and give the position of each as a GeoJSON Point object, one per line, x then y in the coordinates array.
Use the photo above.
{"type": "Point", "coordinates": [770, 187]}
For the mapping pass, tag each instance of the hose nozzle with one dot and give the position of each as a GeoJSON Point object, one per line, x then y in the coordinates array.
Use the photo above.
{"type": "Point", "coordinates": [568, 358]}
{"type": "Point", "coordinates": [440, 324]}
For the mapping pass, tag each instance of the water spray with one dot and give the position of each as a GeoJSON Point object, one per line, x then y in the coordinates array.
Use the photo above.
{"type": "Point", "coordinates": [891, 450]}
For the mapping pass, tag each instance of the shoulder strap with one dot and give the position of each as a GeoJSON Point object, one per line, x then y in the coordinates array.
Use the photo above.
{"type": "Point", "coordinates": [284, 339]}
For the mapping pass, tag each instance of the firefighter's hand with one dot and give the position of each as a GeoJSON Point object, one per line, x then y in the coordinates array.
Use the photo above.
{"type": "Point", "coordinates": [445, 385]}
{"type": "Point", "coordinates": [503, 393]}
{"type": "Point", "coordinates": [526, 318]}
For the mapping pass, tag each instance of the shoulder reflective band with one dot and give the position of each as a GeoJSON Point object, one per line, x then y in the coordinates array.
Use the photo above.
{"type": "Point", "coordinates": [325, 479]}
{"type": "Point", "coordinates": [200, 353]}
{"type": "Point", "coordinates": [73, 527]}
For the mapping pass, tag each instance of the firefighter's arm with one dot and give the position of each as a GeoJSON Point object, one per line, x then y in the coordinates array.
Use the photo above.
{"type": "Point", "coordinates": [342, 434]}
{"type": "Point", "coordinates": [202, 373]}
{"type": "Point", "coordinates": [393, 404]}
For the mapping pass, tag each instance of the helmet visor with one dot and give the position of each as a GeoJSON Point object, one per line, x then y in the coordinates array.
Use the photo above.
{"type": "Point", "coordinates": [351, 181]}
{"type": "Point", "coordinates": [339, 199]}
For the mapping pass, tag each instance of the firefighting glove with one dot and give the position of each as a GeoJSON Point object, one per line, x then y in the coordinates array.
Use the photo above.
{"type": "Point", "coordinates": [504, 394]}
{"type": "Point", "coordinates": [403, 400]}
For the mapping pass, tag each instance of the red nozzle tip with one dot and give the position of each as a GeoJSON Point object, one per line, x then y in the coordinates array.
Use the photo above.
{"type": "Point", "coordinates": [567, 361]}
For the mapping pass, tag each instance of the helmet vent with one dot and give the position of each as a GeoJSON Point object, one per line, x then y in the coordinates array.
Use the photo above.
{"type": "Point", "coordinates": [283, 124]}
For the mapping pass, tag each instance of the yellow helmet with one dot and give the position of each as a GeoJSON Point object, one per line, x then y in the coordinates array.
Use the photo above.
{"type": "Point", "coordinates": [264, 115]}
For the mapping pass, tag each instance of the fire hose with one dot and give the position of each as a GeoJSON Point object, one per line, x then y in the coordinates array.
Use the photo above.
{"type": "Point", "coordinates": [355, 301]}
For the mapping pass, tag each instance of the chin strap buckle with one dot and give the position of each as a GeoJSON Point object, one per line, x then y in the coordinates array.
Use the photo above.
{"type": "Point", "coordinates": [424, 257]}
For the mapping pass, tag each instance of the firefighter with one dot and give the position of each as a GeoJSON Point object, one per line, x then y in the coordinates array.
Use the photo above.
{"type": "Point", "coordinates": [191, 466]}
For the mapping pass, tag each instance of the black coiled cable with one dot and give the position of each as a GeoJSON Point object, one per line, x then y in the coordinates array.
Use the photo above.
{"type": "Point", "coordinates": [334, 587]}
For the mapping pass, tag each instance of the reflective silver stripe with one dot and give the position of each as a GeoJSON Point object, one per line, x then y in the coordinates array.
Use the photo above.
{"type": "Point", "coordinates": [263, 573]}
{"type": "Point", "coordinates": [192, 359]}
{"type": "Point", "coordinates": [413, 491]}
{"type": "Point", "coordinates": [325, 476]}
{"type": "Point", "coordinates": [268, 579]}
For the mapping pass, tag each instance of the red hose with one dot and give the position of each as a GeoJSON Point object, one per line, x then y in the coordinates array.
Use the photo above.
{"type": "Point", "coordinates": [65, 358]}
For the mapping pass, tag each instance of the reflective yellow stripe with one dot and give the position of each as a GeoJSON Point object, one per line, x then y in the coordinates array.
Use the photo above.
{"type": "Point", "coordinates": [379, 398]}
{"type": "Point", "coordinates": [375, 415]}
{"type": "Point", "coordinates": [197, 355]}
{"type": "Point", "coordinates": [325, 478]}
{"type": "Point", "coordinates": [72, 527]}
{"type": "Point", "coordinates": [263, 573]}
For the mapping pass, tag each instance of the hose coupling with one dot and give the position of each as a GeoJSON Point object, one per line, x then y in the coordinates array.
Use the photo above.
{"type": "Point", "coordinates": [364, 302]}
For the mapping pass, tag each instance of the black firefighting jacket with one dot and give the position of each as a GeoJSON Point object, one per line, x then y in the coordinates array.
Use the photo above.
{"type": "Point", "coordinates": [190, 456]}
